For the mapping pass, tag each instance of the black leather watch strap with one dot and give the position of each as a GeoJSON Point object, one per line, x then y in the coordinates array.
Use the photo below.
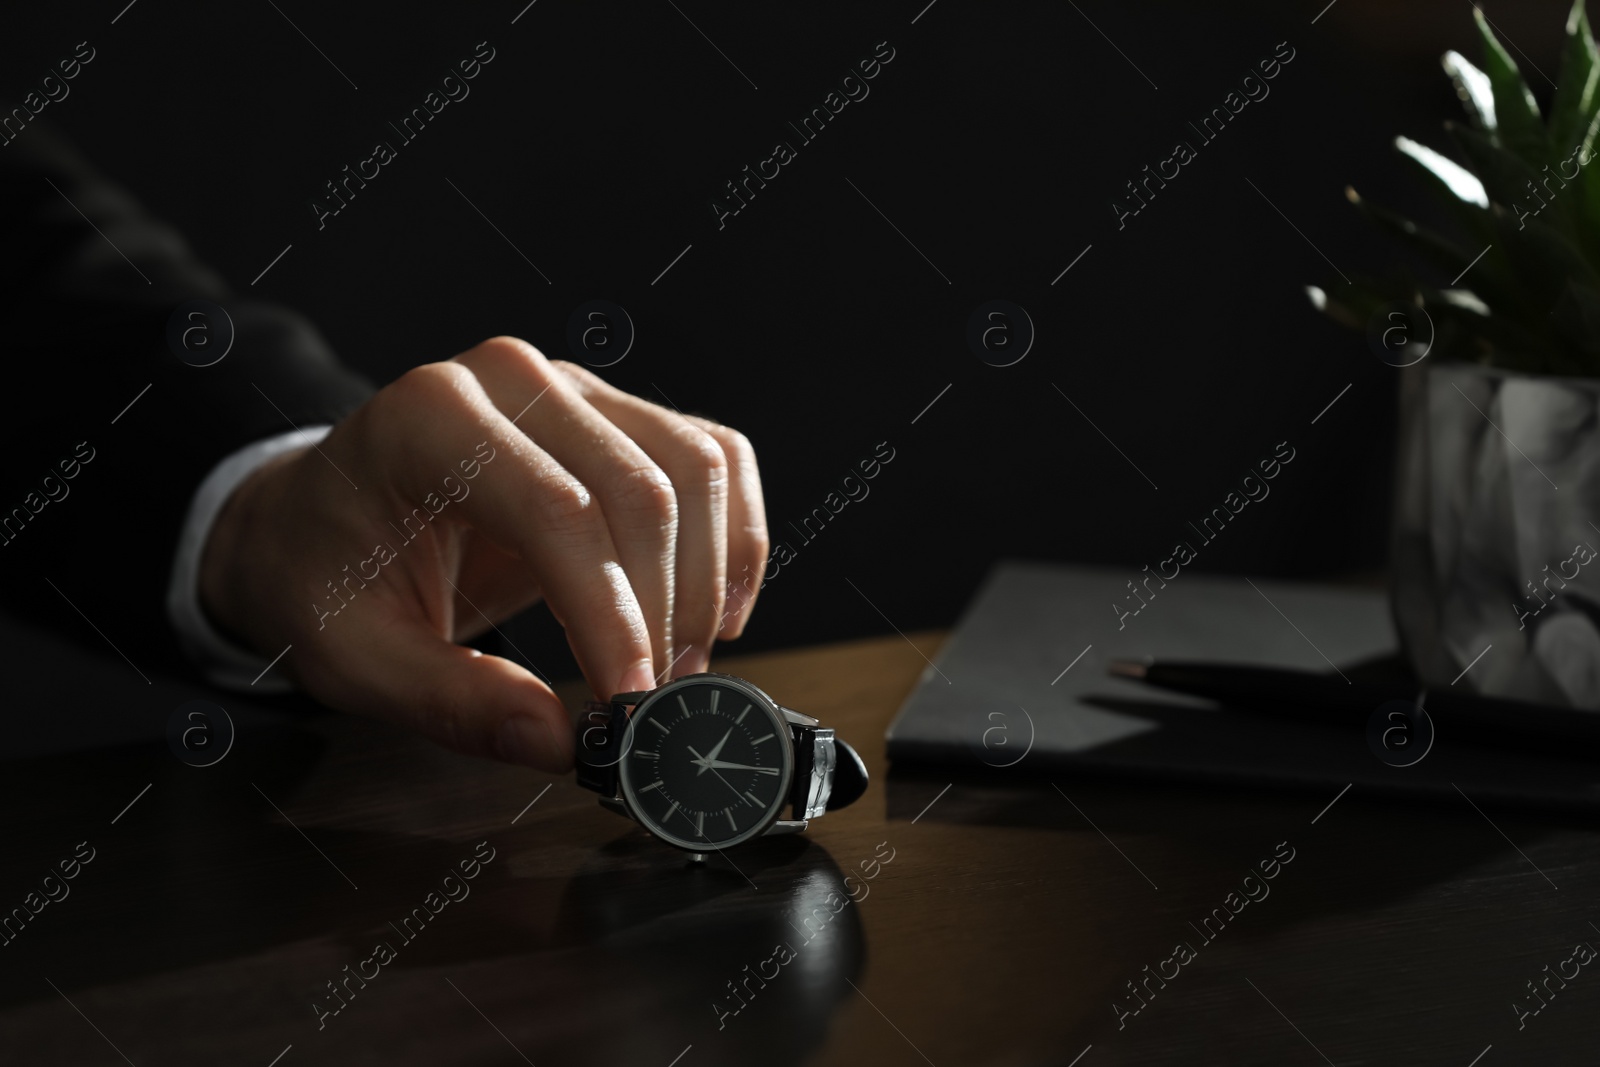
{"type": "Point", "coordinates": [601, 733]}
{"type": "Point", "coordinates": [849, 776]}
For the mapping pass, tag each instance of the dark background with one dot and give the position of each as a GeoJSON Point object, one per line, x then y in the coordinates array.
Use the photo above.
{"type": "Point", "coordinates": [995, 140]}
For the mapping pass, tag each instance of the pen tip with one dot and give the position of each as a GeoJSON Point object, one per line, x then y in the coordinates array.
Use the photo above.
{"type": "Point", "coordinates": [1125, 668]}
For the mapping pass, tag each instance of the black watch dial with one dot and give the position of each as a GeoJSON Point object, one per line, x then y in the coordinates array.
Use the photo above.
{"type": "Point", "coordinates": [708, 764]}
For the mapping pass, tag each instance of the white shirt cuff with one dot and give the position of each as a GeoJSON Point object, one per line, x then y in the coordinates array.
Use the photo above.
{"type": "Point", "coordinates": [223, 663]}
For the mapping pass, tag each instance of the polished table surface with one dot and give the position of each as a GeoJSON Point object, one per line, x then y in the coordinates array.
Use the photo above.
{"type": "Point", "coordinates": [1001, 921]}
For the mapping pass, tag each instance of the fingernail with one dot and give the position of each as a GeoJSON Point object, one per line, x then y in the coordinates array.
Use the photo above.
{"type": "Point", "coordinates": [521, 741]}
{"type": "Point", "coordinates": [638, 679]}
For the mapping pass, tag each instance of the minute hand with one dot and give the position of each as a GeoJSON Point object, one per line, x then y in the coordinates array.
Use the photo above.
{"type": "Point", "coordinates": [721, 765]}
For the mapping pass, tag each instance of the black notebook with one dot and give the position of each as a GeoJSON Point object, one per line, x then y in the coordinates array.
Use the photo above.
{"type": "Point", "coordinates": [1021, 686]}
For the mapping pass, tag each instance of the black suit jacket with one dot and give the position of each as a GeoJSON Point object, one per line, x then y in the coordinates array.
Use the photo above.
{"type": "Point", "coordinates": [88, 282]}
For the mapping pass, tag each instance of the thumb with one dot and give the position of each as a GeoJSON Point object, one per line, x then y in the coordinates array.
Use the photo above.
{"type": "Point", "coordinates": [463, 699]}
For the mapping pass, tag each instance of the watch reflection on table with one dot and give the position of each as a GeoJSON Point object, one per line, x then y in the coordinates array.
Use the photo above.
{"type": "Point", "coordinates": [747, 963]}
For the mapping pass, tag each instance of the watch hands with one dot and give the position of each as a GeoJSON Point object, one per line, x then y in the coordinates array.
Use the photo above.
{"type": "Point", "coordinates": [713, 764]}
{"type": "Point", "coordinates": [710, 757]}
{"type": "Point", "coordinates": [706, 763]}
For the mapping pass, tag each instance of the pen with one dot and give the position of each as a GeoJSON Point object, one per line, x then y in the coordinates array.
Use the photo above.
{"type": "Point", "coordinates": [1309, 695]}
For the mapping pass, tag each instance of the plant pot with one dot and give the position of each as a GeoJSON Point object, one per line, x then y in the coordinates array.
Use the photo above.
{"type": "Point", "coordinates": [1495, 492]}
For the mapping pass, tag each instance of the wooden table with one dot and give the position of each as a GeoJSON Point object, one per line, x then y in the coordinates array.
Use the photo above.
{"type": "Point", "coordinates": [1004, 927]}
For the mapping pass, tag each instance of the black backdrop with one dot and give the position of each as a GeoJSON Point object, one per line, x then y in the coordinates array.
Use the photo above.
{"type": "Point", "coordinates": [994, 141]}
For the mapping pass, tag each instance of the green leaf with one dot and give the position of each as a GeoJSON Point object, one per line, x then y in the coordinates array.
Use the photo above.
{"type": "Point", "coordinates": [1445, 175]}
{"type": "Point", "coordinates": [1574, 103]}
{"type": "Point", "coordinates": [1523, 267]}
{"type": "Point", "coordinates": [1518, 126]}
{"type": "Point", "coordinates": [1352, 305]}
{"type": "Point", "coordinates": [1472, 86]}
{"type": "Point", "coordinates": [1586, 135]}
{"type": "Point", "coordinates": [1547, 258]}
{"type": "Point", "coordinates": [1490, 277]}
{"type": "Point", "coordinates": [1431, 246]}
{"type": "Point", "coordinates": [1525, 262]}
{"type": "Point", "coordinates": [1508, 179]}
{"type": "Point", "coordinates": [1334, 308]}
{"type": "Point", "coordinates": [1503, 340]}
{"type": "Point", "coordinates": [1588, 181]}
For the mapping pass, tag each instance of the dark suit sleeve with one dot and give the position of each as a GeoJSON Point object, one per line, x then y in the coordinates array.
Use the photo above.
{"type": "Point", "coordinates": [88, 282]}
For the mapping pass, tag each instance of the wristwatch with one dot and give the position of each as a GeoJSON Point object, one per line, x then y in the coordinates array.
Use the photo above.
{"type": "Point", "coordinates": [709, 761]}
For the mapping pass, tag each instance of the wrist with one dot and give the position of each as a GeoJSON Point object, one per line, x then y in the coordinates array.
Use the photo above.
{"type": "Point", "coordinates": [226, 571]}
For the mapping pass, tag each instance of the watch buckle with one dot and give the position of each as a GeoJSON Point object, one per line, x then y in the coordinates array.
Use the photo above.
{"type": "Point", "coordinates": [822, 764]}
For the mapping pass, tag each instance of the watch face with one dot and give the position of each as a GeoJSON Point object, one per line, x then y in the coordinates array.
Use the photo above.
{"type": "Point", "coordinates": [709, 763]}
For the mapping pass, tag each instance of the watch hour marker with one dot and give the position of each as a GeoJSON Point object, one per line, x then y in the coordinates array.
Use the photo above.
{"type": "Point", "coordinates": [684, 706]}
{"type": "Point", "coordinates": [657, 724]}
{"type": "Point", "coordinates": [700, 823]}
{"type": "Point", "coordinates": [670, 810]}
{"type": "Point", "coordinates": [715, 693]}
{"type": "Point", "coordinates": [648, 755]}
{"type": "Point", "coordinates": [754, 800]}
{"type": "Point", "coordinates": [743, 713]}
{"type": "Point", "coordinates": [758, 740]}
{"type": "Point", "coordinates": [731, 824]}
{"type": "Point", "coordinates": [653, 785]}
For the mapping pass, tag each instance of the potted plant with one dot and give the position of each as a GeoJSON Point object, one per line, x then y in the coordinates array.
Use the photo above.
{"type": "Point", "coordinates": [1495, 526]}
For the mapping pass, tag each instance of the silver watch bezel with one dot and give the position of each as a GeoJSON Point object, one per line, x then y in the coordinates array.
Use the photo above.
{"type": "Point", "coordinates": [775, 713]}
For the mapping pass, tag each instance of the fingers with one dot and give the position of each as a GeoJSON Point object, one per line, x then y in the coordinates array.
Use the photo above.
{"type": "Point", "coordinates": [522, 499]}
{"type": "Point", "coordinates": [748, 540]}
{"type": "Point", "coordinates": [637, 498]}
{"type": "Point", "coordinates": [699, 468]}
{"type": "Point", "coordinates": [477, 704]}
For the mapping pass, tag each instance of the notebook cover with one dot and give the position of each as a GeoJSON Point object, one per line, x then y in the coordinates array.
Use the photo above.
{"type": "Point", "coordinates": [1021, 686]}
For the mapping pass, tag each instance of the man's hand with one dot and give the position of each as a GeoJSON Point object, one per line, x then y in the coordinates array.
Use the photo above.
{"type": "Point", "coordinates": [461, 494]}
